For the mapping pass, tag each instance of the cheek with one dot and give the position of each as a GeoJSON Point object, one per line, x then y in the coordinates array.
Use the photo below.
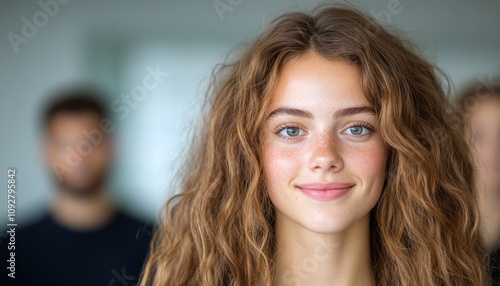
{"type": "Point", "coordinates": [281, 165]}
{"type": "Point", "coordinates": [98, 157]}
{"type": "Point", "coordinates": [368, 163]}
{"type": "Point", "coordinates": [58, 155]}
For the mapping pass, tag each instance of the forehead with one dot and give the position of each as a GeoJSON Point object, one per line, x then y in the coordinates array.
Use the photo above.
{"type": "Point", "coordinates": [312, 80]}
{"type": "Point", "coordinates": [68, 124]}
{"type": "Point", "coordinates": [485, 110]}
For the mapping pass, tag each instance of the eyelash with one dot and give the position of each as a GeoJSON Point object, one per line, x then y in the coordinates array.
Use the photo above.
{"type": "Point", "coordinates": [282, 127]}
{"type": "Point", "coordinates": [369, 127]}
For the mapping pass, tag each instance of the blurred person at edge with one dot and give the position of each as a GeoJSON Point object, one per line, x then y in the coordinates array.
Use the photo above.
{"type": "Point", "coordinates": [84, 239]}
{"type": "Point", "coordinates": [478, 109]}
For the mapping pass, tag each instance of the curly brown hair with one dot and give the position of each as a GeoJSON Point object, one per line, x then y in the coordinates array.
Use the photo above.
{"type": "Point", "coordinates": [219, 230]}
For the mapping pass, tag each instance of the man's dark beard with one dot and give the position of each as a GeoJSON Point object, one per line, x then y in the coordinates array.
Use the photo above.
{"type": "Point", "coordinates": [87, 192]}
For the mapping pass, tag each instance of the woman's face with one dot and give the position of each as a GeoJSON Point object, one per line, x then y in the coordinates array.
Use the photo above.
{"type": "Point", "coordinates": [484, 140]}
{"type": "Point", "coordinates": [324, 158]}
{"type": "Point", "coordinates": [484, 136]}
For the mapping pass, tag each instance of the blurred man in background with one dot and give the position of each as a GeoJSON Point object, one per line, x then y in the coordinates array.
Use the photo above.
{"type": "Point", "coordinates": [480, 114]}
{"type": "Point", "coordinates": [85, 239]}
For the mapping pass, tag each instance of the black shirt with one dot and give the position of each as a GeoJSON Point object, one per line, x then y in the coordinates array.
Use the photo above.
{"type": "Point", "coordinates": [495, 267]}
{"type": "Point", "coordinates": [47, 253]}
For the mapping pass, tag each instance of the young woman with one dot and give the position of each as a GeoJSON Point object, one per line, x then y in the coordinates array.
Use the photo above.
{"type": "Point", "coordinates": [317, 163]}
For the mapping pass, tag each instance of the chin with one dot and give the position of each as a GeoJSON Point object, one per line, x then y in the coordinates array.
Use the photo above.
{"type": "Point", "coordinates": [333, 222]}
{"type": "Point", "coordinates": [80, 189]}
{"type": "Point", "coordinates": [328, 226]}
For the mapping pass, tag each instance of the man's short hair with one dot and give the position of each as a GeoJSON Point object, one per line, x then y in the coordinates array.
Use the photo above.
{"type": "Point", "coordinates": [75, 101]}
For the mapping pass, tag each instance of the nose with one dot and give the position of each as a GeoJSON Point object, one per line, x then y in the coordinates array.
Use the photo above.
{"type": "Point", "coordinates": [325, 153]}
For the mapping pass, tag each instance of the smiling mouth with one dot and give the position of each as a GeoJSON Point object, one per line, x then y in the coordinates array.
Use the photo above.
{"type": "Point", "coordinates": [325, 191]}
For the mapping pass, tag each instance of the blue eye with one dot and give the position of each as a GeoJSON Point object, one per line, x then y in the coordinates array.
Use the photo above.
{"type": "Point", "coordinates": [358, 130]}
{"type": "Point", "coordinates": [290, 132]}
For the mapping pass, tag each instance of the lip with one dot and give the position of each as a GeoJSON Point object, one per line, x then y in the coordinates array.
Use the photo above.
{"type": "Point", "coordinates": [325, 191]}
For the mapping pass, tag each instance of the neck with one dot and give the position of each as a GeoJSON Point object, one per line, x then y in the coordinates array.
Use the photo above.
{"type": "Point", "coordinates": [310, 258]}
{"type": "Point", "coordinates": [490, 229]}
{"type": "Point", "coordinates": [83, 214]}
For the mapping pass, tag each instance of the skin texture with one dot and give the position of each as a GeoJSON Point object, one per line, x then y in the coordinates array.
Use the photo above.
{"type": "Point", "coordinates": [484, 134]}
{"type": "Point", "coordinates": [315, 236]}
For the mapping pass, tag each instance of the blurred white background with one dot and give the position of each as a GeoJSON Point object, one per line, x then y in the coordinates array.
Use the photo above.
{"type": "Point", "coordinates": [112, 43]}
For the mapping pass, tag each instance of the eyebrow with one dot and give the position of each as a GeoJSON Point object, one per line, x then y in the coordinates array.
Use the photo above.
{"type": "Point", "coordinates": [291, 111]}
{"type": "Point", "coordinates": [354, 110]}
{"type": "Point", "coordinates": [306, 114]}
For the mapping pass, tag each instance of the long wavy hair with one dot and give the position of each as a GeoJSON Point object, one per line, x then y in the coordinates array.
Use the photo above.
{"type": "Point", "coordinates": [219, 230]}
